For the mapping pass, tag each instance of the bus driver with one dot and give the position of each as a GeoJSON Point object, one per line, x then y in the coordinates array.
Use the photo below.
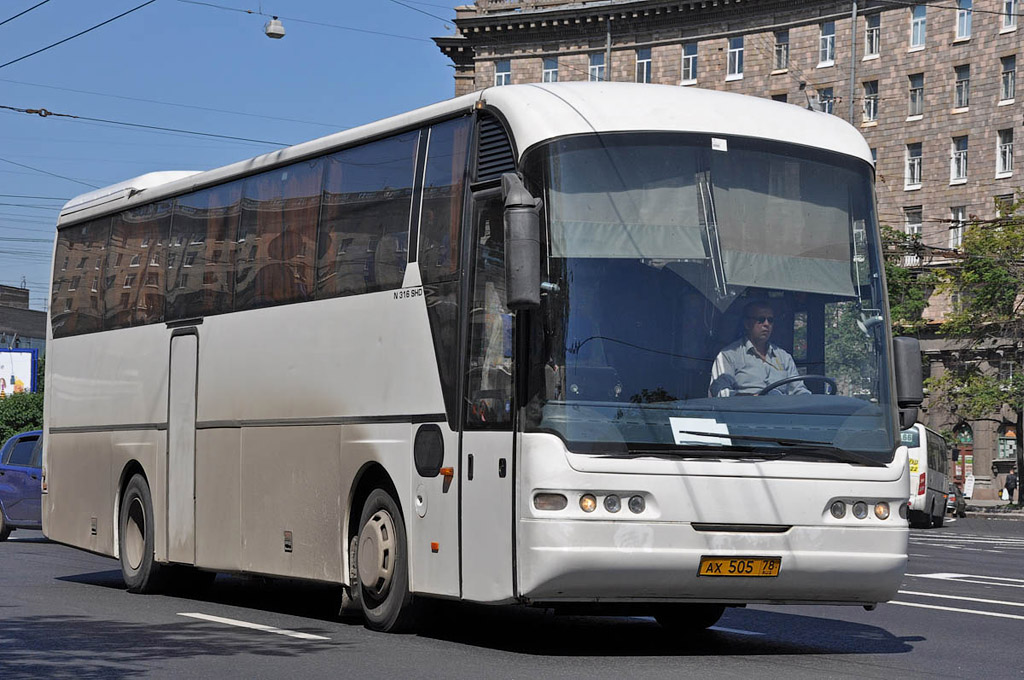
{"type": "Point", "coordinates": [751, 363]}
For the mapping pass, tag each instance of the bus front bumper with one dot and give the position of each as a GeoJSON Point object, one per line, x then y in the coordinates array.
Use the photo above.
{"type": "Point", "coordinates": [599, 561]}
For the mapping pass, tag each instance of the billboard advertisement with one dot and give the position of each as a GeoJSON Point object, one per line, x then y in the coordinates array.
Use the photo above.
{"type": "Point", "coordinates": [17, 371]}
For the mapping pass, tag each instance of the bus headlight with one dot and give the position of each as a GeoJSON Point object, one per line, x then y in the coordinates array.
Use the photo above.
{"type": "Point", "coordinates": [838, 509]}
{"type": "Point", "coordinates": [588, 503]}
{"type": "Point", "coordinates": [860, 509]}
{"type": "Point", "coordinates": [637, 504]}
{"type": "Point", "coordinates": [612, 503]}
{"type": "Point", "coordinates": [882, 510]}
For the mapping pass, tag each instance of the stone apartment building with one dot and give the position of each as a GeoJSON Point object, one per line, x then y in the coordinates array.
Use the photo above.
{"type": "Point", "coordinates": [931, 86]}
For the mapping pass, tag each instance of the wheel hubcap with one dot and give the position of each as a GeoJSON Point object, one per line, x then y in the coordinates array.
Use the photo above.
{"type": "Point", "coordinates": [377, 554]}
{"type": "Point", "coordinates": [135, 534]}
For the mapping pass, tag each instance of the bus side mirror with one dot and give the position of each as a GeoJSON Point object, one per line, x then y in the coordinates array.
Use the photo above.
{"type": "Point", "coordinates": [909, 379]}
{"type": "Point", "coordinates": [522, 244]}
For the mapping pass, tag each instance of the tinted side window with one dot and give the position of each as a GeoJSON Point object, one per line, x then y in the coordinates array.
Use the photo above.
{"type": "Point", "coordinates": [133, 283]}
{"type": "Point", "coordinates": [275, 253]}
{"type": "Point", "coordinates": [75, 304]}
{"type": "Point", "coordinates": [201, 251]}
{"type": "Point", "coordinates": [21, 453]}
{"type": "Point", "coordinates": [443, 186]}
{"type": "Point", "coordinates": [364, 229]}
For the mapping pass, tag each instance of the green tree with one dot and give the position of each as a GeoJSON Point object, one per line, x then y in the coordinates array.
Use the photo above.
{"type": "Point", "coordinates": [986, 325]}
{"type": "Point", "coordinates": [909, 287]}
{"type": "Point", "coordinates": [20, 413]}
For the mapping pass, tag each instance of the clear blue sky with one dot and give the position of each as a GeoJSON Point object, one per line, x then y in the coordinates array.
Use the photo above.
{"type": "Point", "coordinates": [169, 64]}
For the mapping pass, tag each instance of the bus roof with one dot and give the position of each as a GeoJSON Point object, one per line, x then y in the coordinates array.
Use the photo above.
{"type": "Point", "coordinates": [535, 113]}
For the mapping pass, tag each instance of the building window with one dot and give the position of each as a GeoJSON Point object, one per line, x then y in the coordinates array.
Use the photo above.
{"type": "Point", "coordinates": [963, 19]}
{"type": "Point", "coordinates": [827, 44]}
{"type": "Point", "coordinates": [870, 101]}
{"type": "Point", "coordinates": [735, 69]}
{"type": "Point", "coordinates": [957, 220]}
{"type": "Point", "coordinates": [916, 94]}
{"type": "Point", "coordinates": [689, 63]}
{"type": "Point", "coordinates": [781, 50]}
{"type": "Point", "coordinates": [872, 35]}
{"type": "Point", "coordinates": [874, 155]}
{"type": "Point", "coordinates": [827, 99]}
{"type": "Point", "coordinates": [503, 72]}
{"type": "Point", "coordinates": [1009, 15]}
{"type": "Point", "coordinates": [597, 66]}
{"type": "Point", "coordinates": [1004, 205]}
{"type": "Point", "coordinates": [912, 177]}
{"type": "Point", "coordinates": [781, 97]}
{"type": "Point", "coordinates": [917, 26]}
{"type": "Point", "coordinates": [1007, 439]}
{"type": "Point", "coordinates": [1004, 153]}
{"type": "Point", "coordinates": [1008, 82]}
{"type": "Point", "coordinates": [912, 220]}
{"type": "Point", "coordinates": [643, 65]}
{"type": "Point", "coordinates": [550, 74]}
{"type": "Point", "coordinates": [958, 160]}
{"type": "Point", "coordinates": [962, 91]}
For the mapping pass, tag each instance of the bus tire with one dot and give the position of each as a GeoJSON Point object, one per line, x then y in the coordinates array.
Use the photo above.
{"type": "Point", "coordinates": [141, 572]}
{"type": "Point", "coordinates": [919, 520]}
{"type": "Point", "coordinates": [689, 618]}
{"type": "Point", "coordinates": [383, 565]}
{"type": "Point", "coordinates": [937, 521]}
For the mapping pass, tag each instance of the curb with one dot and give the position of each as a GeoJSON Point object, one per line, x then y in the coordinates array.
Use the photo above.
{"type": "Point", "coordinates": [995, 513]}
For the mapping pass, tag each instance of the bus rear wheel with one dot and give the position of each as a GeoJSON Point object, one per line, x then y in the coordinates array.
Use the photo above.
{"type": "Point", "coordinates": [142, 574]}
{"type": "Point", "coordinates": [689, 618]}
{"type": "Point", "coordinates": [383, 566]}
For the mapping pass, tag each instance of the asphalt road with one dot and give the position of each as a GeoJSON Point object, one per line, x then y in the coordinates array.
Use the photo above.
{"type": "Point", "coordinates": [65, 614]}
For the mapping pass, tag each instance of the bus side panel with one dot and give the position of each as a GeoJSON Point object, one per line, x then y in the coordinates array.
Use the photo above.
{"type": "Point", "coordinates": [218, 499]}
{"type": "Point", "coordinates": [79, 490]}
{"type": "Point", "coordinates": [432, 519]}
{"type": "Point", "coordinates": [291, 488]}
{"type": "Point", "coordinates": [83, 486]}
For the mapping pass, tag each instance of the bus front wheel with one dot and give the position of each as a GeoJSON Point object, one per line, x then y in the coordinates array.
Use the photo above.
{"type": "Point", "coordinates": [383, 566]}
{"type": "Point", "coordinates": [142, 574]}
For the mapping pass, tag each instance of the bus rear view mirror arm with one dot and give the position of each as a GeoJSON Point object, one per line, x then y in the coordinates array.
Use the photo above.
{"type": "Point", "coordinates": [909, 378]}
{"type": "Point", "coordinates": [522, 243]}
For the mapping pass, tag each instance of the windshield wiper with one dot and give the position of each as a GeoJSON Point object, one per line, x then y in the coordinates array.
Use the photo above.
{"type": "Point", "coordinates": [804, 447]}
{"type": "Point", "coordinates": [696, 451]}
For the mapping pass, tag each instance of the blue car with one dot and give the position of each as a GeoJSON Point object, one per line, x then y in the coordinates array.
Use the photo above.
{"type": "Point", "coordinates": [20, 486]}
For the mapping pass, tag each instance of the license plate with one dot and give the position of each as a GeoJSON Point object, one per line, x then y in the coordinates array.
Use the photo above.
{"type": "Point", "coordinates": [739, 566]}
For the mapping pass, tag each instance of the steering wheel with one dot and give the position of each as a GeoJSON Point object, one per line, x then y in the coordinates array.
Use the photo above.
{"type": "Point", "coordinates": [797, 378]}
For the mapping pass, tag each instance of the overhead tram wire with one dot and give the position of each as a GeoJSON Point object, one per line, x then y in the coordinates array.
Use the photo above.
{"type": "Point", "coordinates": [47, 172]}
{"type": "Point", "coordinates": [447, 22]}
{"type": "Point", "coordinates": [72, 37]}
{"type": "Point", "coordinates": [305, 21]}
{"type": "Point", "coordinates": [44, 113]}
{"type": "Point", "coordinates": [40, 4]}
{"type": "Point", "coordinates": [333, 126]}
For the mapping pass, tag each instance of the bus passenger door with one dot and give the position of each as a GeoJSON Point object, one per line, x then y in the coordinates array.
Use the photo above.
{"type": "Point", "coordinates": [181, 446]}
{"type": "Point", "coordinates": [486, 512]}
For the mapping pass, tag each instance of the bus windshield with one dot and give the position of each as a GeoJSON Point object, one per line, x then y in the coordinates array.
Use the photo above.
{"type": "Point", "coordinates": [708, 294]}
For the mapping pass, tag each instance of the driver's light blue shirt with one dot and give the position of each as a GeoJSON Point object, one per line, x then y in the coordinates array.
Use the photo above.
{"type": "Point", "coordinates": [739, 369]}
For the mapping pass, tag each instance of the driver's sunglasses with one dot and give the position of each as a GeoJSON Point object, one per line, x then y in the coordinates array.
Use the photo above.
{"type": "Point", "coordinates": [762, 319]}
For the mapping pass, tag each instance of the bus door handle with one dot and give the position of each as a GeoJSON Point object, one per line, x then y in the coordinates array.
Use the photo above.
{"type": "Point", "coordinates": [501, 467]}
{"type": "Point", "coordinates": [469, 466]}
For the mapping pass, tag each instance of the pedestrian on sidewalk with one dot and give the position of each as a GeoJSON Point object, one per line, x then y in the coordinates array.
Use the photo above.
{"type": "Point", "coordinates": [1011, 483]}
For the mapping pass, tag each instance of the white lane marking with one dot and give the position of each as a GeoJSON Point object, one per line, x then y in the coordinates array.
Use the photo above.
{"type": "Point", "coordinates": [961, 597]}
{"type": "Point", "coordinates": [969, 578]}
{"type": "Point", "coordinates": [957, 609]}
{"type": "Point", "coordinates": [722, 629]}
{"type": "Point", "coordinates": [254, 626]}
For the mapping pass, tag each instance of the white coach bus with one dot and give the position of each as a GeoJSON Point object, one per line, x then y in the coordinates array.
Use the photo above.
{"type": "Point", "coordinates": [466, 353]}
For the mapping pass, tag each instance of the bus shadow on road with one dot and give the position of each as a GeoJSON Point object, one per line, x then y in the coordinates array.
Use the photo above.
{"type": "Point", "coordinates": [739, 632]}
{"type": "Point", "coordinates": [541, 632]}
